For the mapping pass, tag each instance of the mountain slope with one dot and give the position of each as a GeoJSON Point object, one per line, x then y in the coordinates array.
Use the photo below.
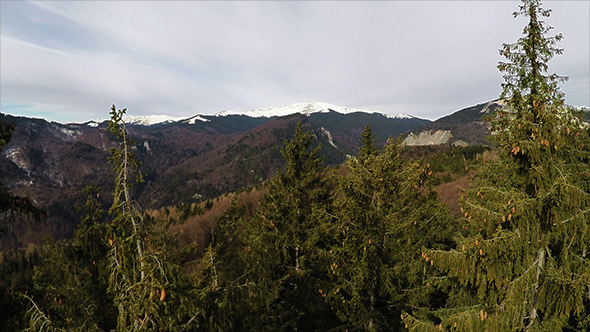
{"type": "Point", "coordinates": [346, 129]}
{"type": "Point", "coordinates": [463, 127]}
{"type": "Point", "coordinates": [182, 161]}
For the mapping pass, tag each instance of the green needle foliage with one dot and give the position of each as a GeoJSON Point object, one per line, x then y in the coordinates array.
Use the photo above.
{"type": "Point", "coordinates": [368, 141]}
{"type": "Point", "coordinates": [124, 275]}
{"type": "Point", "coordinates": [289, 240]}
{"type": "Point", "coordinates": [149, 289]}
{"type": "Point", "coordinates": [135, 280]}
{"type": "Point", "coordinates": [268, 270]}
{"type": "Point", "coordinates": [224, 281]}
{"type": "Point", "coordinates": [386, 213]}
{"type": "Point", "coordinates": [327, 254]}
{"type": "Point", "coordinates": [72, 282]}
{"type": "Point", "coordinates": [524, 264]}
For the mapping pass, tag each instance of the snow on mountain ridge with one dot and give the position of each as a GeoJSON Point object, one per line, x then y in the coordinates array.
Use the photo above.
{"type": "Point", "coordinates": [195, 119]}
{"type": "Point", "coordinates": [303, 108]}
{"type": "Point", "coordinates": [402, 116]}
{"type": "Point", "coordinates": [307, 109]}
{"type": "Point", "coordinates": [149, 120]}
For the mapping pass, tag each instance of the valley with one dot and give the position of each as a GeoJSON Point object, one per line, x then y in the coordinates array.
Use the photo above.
{"type": "Point", "coordinates": [198, 158]}
{"type": "Point", "coordinates": [182, 160]}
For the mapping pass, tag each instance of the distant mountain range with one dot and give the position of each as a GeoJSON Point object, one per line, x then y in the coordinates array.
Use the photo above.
{"type": "Point", "coordinates": [196, 158]}
{"type": "Point", "coordinates": [183, 159]}
{"type": "Point", "coordinates": [271, 112]}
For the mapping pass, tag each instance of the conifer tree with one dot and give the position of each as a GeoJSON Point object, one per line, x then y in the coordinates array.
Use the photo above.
{"type": "Point", "coordinates": [295, 195]}
{"type": "Point", "coordinates": [72, 281]}
{"type": "Point", "coordinates": [368, 141]}
{"type": "Point", "coordinates": [386, 213]}
{"type": "Point", "coordinates": [12, 207]}
{"type": "Point", "coordinates": [224, 281]}
{"type": "Point", "coordinates": [292, 218]}
{"type": "Point", "coordinates": [123, 275]}
{"type": "Point", "coordinates": [524, 264]}
{"type": "Point", "coordinates": [150, 291]}
{"type": "Point", "coordinates": [280, 263]}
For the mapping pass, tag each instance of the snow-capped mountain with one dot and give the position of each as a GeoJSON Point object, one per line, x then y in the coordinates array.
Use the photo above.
{"type": "Point", "coordinates": [195, 119]}
{"type": "Point", "coordinates": [402, 116]}
{"type": "Point", "coordinates": [303, 108]}
{"type": "Point", "coordinates": [57, 160]}
{"type": "Point", "coordinates": [149, 120]}
{"type": "Point", "coordinates": [270, 112]}
{"type": "Point", "coordinates": [307, 109]}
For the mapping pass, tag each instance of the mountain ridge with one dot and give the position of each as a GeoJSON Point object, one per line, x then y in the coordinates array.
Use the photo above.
{"type": "Point", "coordinates": [269, 112]}
{"type": "Point", "coordinates": [189, 160]}
{"type": "Point", "coordinates": [181, 161]}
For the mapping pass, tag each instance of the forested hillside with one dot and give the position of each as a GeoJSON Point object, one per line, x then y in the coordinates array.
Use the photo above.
{"type": "Point", "coordinates": [183, 162]}
{"type": "Point", "coordinates": [375, 243]}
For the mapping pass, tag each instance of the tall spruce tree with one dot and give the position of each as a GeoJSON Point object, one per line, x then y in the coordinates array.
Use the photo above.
{"type": "Point", "coordinates": [282, 246]}
{"type": "Point", "coordinates": [150, 290]}
{"type": "Point", "coordinates": [524, 264]}
{"type": "Point", "coordinates": [130, 262]}
{"type": "Point", "coordinates": [386, 213]}
{"type": "Point", "coordinates": [368, 141]}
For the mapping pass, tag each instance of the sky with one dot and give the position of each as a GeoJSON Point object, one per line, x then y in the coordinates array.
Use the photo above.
{"type": "Point", "coordinates": [69, 61]}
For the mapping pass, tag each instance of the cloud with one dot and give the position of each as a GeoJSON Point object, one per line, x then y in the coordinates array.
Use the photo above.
{"type": "Point", "coordinates": [74, 59]}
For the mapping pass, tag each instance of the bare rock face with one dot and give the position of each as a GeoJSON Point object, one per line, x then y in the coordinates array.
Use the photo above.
{"type": "Point", "coordinates": [428, 138]}
{"type": "Point", "coordinates": [466, 125]}
{"type": "Point", "coordinates": [460, 143]}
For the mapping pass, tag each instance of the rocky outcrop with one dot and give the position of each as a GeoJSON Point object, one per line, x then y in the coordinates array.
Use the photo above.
{"type": "Point", "coordinates": [460, 143]}
{"type": "Point", "coordinates": [330, 139]}
{"type": "Point", "coordinates": [428, 138]}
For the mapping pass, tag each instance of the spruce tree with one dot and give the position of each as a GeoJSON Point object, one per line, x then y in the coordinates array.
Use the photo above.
{"type": "Point", "coordinates": [150, 290]}
{"type": "Point", "coordinates": [523, 265]}
{"type": "Point", "coordinates": [282, 245]}
{"type": "Point", "coordinates": [386, 213]}
{"type": "Point", "coordinates": [368, 141]}
{"type": "Point", "coordinates": [72, 281]}
{"type": "Point", "coordinates": [224, 285]}
{"type": "Point", "coordinates": [123, 275]}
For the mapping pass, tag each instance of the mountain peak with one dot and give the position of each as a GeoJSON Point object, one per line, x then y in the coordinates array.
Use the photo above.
{"type": "Point", "coordinates": [307, 109]}
{"type": "Point", "coordinates": [148, 120]}
{"type": "Point", "coordinates": [303, 108]}
{"type": "Point", "coordinates": [402, 116]}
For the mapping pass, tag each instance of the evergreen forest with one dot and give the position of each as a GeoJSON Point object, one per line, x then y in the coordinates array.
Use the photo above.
{"type": "Point", "coordinates": [369, 245]}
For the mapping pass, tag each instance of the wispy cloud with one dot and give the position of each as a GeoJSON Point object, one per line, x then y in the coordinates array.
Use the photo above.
{"type": "Point", "coordinates": [72, 60]}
